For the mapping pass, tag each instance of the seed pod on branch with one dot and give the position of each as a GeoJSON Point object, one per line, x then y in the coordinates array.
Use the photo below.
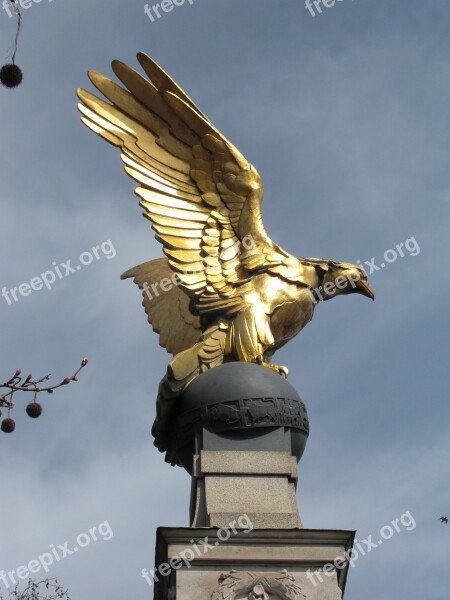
{"type": "Point", "coordinates": [34, 410]}
{"type": "Point", "coordinates": [8, 425]}
{"type": "Point", "coordinates": [18, 384]}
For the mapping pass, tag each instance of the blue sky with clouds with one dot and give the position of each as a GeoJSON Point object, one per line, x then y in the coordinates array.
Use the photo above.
{"type": "Point", "coordinates": [345, 115]}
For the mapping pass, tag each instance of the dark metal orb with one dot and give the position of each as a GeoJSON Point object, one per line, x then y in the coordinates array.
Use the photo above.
{"type": "Point", "coordinates": [239, 400]}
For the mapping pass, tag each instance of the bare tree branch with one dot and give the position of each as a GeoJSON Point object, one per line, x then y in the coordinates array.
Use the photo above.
{"type": "Point", "coordinates": [17, 383]}
{"type": "Point", "coordinates": [47, 589]}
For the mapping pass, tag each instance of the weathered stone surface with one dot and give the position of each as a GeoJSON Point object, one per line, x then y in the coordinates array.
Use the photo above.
{"type": "Point", "coordinates": [255, 475]}
{"type": "Point", "coordinates": [228, 484]}
{"type": "Point", "coordinates": [268, 463]}
{"type": "Point", "coordinates": [245, 494]}
{"type": "Point", "coordinates": [211, 564]}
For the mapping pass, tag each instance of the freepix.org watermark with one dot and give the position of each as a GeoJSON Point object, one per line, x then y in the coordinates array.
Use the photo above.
{"type": "Point", "coordinates": [58, 271]}
{"type": "Point", "coordinates": [199, 548]}
{"type": "Point", "coordinates": [315, 6]}
{"type": "Point", "coordinates": [390, 255]}
{"type": "Point", "coordinates": [409, 247]}
{"type": "Point", "coordinates": [101, 532]}
{"type": "Point", "coordinates": [9, 5]}
{"type": "Point", "coordinates": [166, 6]}
{"type": "Point", "coordinates": [405, 522]}
{"type": "Point", "coordinates": [153, 290]}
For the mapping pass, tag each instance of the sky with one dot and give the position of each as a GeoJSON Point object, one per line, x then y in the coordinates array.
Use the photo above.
{"type": "Point", "coordinates": [345, 116]}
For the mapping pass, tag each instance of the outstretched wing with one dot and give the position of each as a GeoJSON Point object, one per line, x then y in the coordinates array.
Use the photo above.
{"type": "Point", "coordinates": [201, 195]}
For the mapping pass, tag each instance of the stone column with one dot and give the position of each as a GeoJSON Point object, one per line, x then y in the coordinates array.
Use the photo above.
{"type": "Point", "coordinates": [240, 431]}
{"type": "Point", "coordinates": [227, 483]}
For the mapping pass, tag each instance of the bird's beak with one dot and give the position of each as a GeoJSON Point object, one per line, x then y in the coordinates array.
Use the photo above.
{"type": "Point", "coordinates": [366, 289]}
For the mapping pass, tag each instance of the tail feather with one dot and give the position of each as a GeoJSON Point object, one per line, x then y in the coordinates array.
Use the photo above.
{"type": "Point", "coordinates": [206, 354]}
{"type": "Point", "coordinates": [168, 307]}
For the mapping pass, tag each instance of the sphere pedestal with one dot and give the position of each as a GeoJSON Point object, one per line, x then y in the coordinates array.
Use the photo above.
{"type": "Point", "coordinates": [228, 482]}
{"type": "Point", "coordinates": [240, 430]}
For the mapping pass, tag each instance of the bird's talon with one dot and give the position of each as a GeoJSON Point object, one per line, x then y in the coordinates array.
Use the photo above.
{"type": "Point", "coordinates": [280, 369]}
{"type": "Point", "coordinates": [283, 371]}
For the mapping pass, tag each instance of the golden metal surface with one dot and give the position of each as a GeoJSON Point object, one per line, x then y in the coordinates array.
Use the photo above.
{"type": "Point", "coordinates": [225, 290]}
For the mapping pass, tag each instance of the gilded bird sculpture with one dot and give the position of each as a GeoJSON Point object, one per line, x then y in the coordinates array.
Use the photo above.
{"type": "Point", "coordinates": [224, 291]}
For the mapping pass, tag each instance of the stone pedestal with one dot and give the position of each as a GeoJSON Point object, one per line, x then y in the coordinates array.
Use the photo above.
{"type": "Point", "coordinates": [240, 430]}
{"type": "Point", "coordinates": [217, 564]}
{"type": "Point", "coordinates": [229, 481]}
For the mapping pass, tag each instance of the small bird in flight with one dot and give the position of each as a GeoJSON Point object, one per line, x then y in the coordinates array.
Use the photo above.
{"type": "Point", "coordinates": [443, 520]}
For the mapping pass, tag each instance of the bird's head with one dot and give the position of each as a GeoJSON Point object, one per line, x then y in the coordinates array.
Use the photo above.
{"type": "Point", "coordinates": [344, 278]}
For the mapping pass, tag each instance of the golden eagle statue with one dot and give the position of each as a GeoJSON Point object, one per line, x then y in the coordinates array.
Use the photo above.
{"type": "Point", "coordinates": [224, 291]}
